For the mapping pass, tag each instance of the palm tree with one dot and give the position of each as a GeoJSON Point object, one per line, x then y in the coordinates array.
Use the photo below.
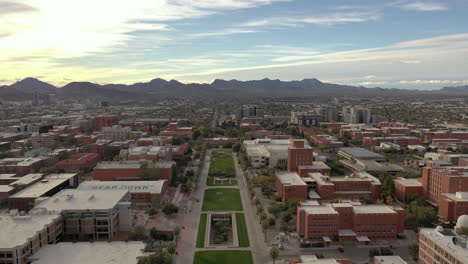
{"type": "Point", "coordinates": [274, 254]}
{"type": "Point", "coordinates": [265, 226]}
{"type": "Point", "coordinates": [176, 233]}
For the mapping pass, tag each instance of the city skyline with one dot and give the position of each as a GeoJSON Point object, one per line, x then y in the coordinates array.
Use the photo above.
{"type": "Point", "coordinates": [402, 44]}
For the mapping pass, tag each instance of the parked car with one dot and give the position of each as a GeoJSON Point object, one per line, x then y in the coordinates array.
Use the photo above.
{"type": "Point", "coordinates": [340, 249]}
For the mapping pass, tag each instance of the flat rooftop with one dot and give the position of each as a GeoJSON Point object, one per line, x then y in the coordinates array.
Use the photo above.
{"type": "Point", "coordinates": [290, 178]}
{"type": "Point", "coordinates": [28, 179]}
{"type": "Point", "coordinates": [389, 260]}
{"type": "Point", "coordinates": [154, 187]}
{"type": "Point", "coordinates": [361, 153]}
{"type": "Point", "coordinates": [7, 176]}
{"type": "Point", "coordinates": [129, 164]}
{"type": "Point", "coordinates": [373, 209]}
{"type": "Point", "coordinates": [407, 182]}
{"type": "Point", "coordinates": [449, 241]}
{"type": "Point", "coordinates": [17, 230]}
{"type": "Point", "coordinates": [40, 188]}
{"type": "Point", "coordinates": [81, 200]}
{"type": "Point", "coordinates": [321, 209]}
{"type": "Point", "coordinates": [90, 253]}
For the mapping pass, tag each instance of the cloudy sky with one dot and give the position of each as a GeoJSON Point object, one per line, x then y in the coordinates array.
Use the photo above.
{"type": "Point", "coordinates": [397, 43]}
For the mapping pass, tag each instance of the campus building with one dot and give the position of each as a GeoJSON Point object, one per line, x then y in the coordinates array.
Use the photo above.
{"type": "Point", "coordinates": [444, 187]}
{"type": "Point", "coordinates": [290, 154]}
{"type": "Point", "coordinates": [24, 235]}
{"type": "Point", "coordinates": [354, 186]}
{"type": "Point", "coordinates": [442, 245]}
{"type": "Point", "coordinates": [105, 121]}
{"type": "Point", "coordinates": [79, 161]}
{"type": "Point", "coordinates": [21, 166]}
{"type": "Point", "coordinates": [174, 130]}
{"type": "Point", "coordinates": [361, 159]}
{"type": "Point", "coordinates": [131, 170]}
{"type": "Point", "coordinates": [86, 252]}
{"type": "Point", "coordinates": [349, 222]}
{"type": "Point", "coordinates": [142, 192]}
{"type": "Point", "coordinates": [25, 200]}
{"type": "Point", "coordinates": [91, 215]}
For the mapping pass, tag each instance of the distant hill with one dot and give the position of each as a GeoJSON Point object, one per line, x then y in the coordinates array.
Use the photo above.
{"type": "Point", "coordinates": [457, 89]}
{"type": "Point", "coordinates": [11, 94]}
{"type": "Point", "coordinates": [32, 85]}
{"type": "Point", "coordinates": [84, 90]}
{"type": "Point", "coordinates": [161, 88]}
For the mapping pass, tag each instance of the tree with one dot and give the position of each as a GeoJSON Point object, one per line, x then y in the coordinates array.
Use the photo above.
{"type": "Point", "coordinates": [138, 234]}
{"type": "Point", "coordinates": [170, 209]}
{"type": "Point", "coordinates": [413, 250]}
{"type": "Point", "coordinates": [177, 233]}
{"type": "Point", "coordinates": [159, 257]}
{"type": "Point", "coordinates": [236, 147]}
{"type": "Point", "coordinates": [265, 226]}
{"type": "Point", "coordinates": [171, 248]}
{"type": "Point", "coordinates": [274, 254]}
{"type": "Point", "coordinates": [373, 252]}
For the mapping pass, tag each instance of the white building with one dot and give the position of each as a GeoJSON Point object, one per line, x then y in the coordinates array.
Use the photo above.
{"type": "Point", "coordinates": [23, 235]}
{"type": "Point", "coordinates": [91, 215]}
{"type": "Point", "coordinates": [90, 253]}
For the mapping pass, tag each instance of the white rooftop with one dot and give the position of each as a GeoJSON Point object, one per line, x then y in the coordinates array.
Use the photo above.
{"type": "Point", "coordinates": [389, 260]}
{"type": "Point", "coordinates": [27, 179]}
{"type": "Point", "coordinates": [17, 230]}
{"type": "Point", "coordinates": [446, 241]}
{"type": "Point", "coordinates": [81, 200]}
{"type": "Point", "coordinates": [321, 209]}
{"type": "Point", "coordinates": [131, 186]}
{"type": "Point", "coordinates": [408, 182]}
{"type": "Point", "coordinates": [40, 188]}
{"type": "Point", "coordinates": [373, 209]}
{"type": "Point", "coordinates": [90, 253]}
{"type": "Point", "coordinates": [290, 178]}
{"type": "Point", "coordinates": [128, 164]}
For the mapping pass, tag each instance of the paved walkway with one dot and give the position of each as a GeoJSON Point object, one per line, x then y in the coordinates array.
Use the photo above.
{"type": "Point", "coordinates": [260, 251]}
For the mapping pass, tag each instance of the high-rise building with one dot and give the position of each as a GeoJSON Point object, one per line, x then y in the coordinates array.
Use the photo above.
{"type": "Point", "coordinates": [305, 118]}
{"type": "Point", "coordinates": [356, 115]}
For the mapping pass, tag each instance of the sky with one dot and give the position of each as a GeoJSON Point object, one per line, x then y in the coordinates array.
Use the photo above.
{"type": "Point", "coordinates": [414, 44]}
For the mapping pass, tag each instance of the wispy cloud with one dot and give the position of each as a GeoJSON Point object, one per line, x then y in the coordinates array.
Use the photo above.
{"type": "Point", "coordinates": [8, 7]}
{"type": "Point", "coordinates": [420, 5]}
{"type": "Point", "coordinates": [434, 82]}
{"type": "Point", "coordinates": [327, 20]}
{"type": "Point", "coordinates": [229, 31]}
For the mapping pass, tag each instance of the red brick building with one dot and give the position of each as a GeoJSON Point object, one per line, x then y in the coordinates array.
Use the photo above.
{"type": "Point", "coordinates": [453, 205]}
{"type": "Point", "coordinates": [299, 154]}
{"type": "Point", "coordinates": [130, 170]}
{"type": "Point", "coordinates": [174, 130]}
{"type": "Point", "coordinates": [105, 121]}
{"type": "Point", "coordinates": [406, 187]}
{"type": "Point", "coordinates": [354, 186]}
{"type": "Point", "coordinates": [290, 186]}
{"type": "Point", "coordinates": [79, 161]}
{"type": "Point", "coordinates": [349, 222]}
{"type": "Point", "coordinates": [402, 141]}
{"type": "Point", "coordinates": [48, 186]}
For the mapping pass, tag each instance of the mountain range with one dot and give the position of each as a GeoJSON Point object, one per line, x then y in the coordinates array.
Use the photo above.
{"type": "Point", "coordinates": [24, 89]}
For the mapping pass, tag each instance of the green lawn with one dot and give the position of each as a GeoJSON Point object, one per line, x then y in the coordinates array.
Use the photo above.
{"type": "Point", "coordinates": [201, 231]}
{"type": "Point", "coordinates": [223, 257]}
{"type": "Point", "coordinates": [242, 230]}
{"type": "Point", "coordinates": [227, 182]}
{"type": "Point", "coordinates": [222, 199]}
{"type": "Point", "coordinates": [222, 164]}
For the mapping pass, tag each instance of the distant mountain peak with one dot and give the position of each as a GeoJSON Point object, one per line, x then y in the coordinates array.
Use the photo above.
{"type": "Point", "coordinates": [33, 85]}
